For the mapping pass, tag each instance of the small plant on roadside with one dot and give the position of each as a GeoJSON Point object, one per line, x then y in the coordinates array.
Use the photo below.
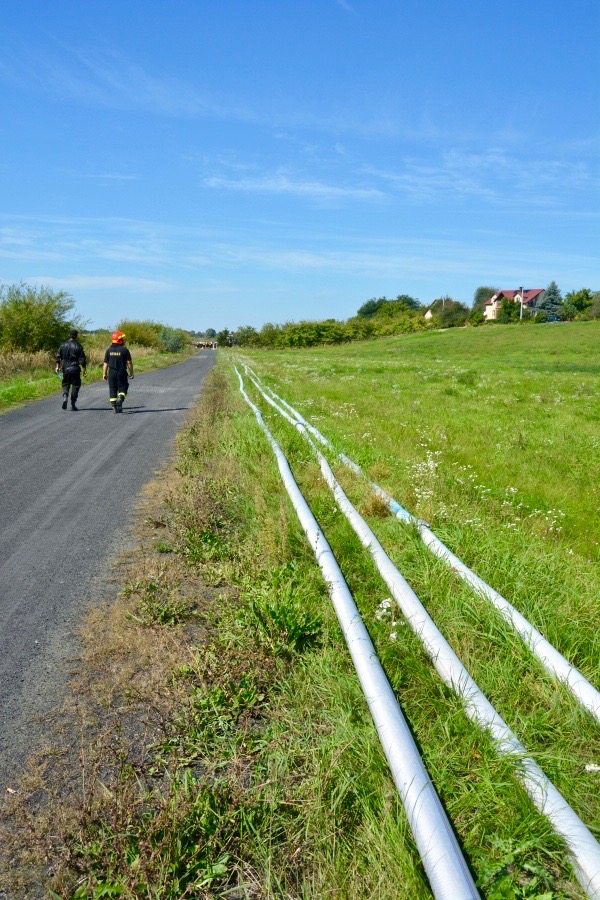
{"type": "Point", "coordinates": [281, 618]}
{"type": "Point", "coordinates": [160, 603]}
{"type": "Point", "coordinates": [162, 547]}
{"type": "Point", "coordinates": [173, 847]}
{"type": "Point", "coordinates": [157, 609]}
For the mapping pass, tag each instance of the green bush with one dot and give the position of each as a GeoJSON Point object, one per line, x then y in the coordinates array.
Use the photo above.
{"type": "Point", "coordinates": [144, 333]}
{"type": "Point", "coordinates": [476, 317]}
{"type": "Point", "coordinates": [172, 340]}
{"type": "Point", "coordinates": [153, 334]}
{"type": "Point", "coordinates": [594, 310]}
{"type": "Point", "coordinates": [33, 319]}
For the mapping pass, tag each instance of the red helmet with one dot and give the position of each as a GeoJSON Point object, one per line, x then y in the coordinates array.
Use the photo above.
{"type": "Point", "coordinates": [118, 337]}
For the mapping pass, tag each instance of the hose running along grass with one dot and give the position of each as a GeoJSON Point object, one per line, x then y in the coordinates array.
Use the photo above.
{"type": "Point", "coordinates": [552, 661]}
{"type": "Point", "coordinates": [583, 848]}
{"type": "Point", "coordinates": [444, 864]}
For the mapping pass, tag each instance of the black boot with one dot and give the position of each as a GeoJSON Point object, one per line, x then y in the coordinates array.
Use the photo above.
{"type": "Point", "coordinates": [65, 401]}
{"type": "Point", "coordinates": [113, 403]}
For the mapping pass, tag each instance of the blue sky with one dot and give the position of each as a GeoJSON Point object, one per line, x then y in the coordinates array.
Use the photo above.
{"type": "Point", "coordinates": [223, 163]}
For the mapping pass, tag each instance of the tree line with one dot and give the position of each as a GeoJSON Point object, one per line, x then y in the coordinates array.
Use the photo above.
{"type": "Point", "coordinates": [382, 316]}
{"type": "Point", "coordinates": [33, 319]}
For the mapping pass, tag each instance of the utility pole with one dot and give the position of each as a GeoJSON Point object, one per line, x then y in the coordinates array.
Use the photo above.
{"type": "Point", "coordinates": [521, 314]}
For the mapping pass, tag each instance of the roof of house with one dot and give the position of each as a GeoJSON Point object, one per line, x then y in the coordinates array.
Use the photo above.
{"type": "Point", "coordinates": [529, 294]}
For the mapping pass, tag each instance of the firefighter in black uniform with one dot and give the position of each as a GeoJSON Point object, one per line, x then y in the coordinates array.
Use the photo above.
{"type": "Point", "coordinates": [70, 357]}
{"type": "Point", "coordinates": [117, 361]}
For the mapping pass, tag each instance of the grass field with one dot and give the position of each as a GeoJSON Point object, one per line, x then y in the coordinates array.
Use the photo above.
{"type": "Point", "coordinates": [235, 755]}
{"type": "Point", "coordinates": [493, 437]}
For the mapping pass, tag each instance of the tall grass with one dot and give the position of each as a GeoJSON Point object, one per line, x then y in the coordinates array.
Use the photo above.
{"type": "Point", "coordinates": [491, 436]}
{"type": "Point", "coordinates": [21, 363]}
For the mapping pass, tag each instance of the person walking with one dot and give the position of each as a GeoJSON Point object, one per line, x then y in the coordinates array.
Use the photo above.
{"type": "Point", "coordinates": [70, 357]}
{"type": "Point", "coordinates": [117, 362]}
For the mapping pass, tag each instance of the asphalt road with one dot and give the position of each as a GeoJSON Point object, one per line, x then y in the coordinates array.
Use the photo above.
{"type": "Point", "coordinates": [68, 485]}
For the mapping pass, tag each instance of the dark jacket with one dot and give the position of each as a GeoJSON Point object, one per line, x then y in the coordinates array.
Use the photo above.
{"type": "Point", "coordinates": [72, 357]}
{"type": "Point", "coordinates": [117, 356]}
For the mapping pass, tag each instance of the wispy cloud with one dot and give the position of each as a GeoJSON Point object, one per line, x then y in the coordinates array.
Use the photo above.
{"type": "Point", "coordinates": [494, 176]}
{"type": "Point", "coordinates": [98, 257]}
{"type": "Point", "coordinates": [280, 183]}
{"type": "Point", "coordinates": [102, 283]}
{"type": "Point", "coordinates": [108, 176]}
{"type": "Point", "coordinates": [108, 78]}
{"type": "Point", "coordinates": [425, 264]}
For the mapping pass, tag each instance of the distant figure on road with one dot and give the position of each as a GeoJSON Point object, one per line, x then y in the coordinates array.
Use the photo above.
{"type": "Point", "coordinates": [117, 361]}
{"type": "Point", "coordinates": [70, 357]}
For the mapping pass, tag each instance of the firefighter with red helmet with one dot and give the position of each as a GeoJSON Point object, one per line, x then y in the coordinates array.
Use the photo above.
{"type": "Point", "coordinates": [117, 362]}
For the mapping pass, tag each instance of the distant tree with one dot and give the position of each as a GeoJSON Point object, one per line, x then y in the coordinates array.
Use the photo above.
{"type": "Point", "coordinates": [143, 332]}
{"type": "Point", "coordinates": [374, 306]}
{"type": "Point", "coordinates": [452, 314]}
{"type": "Point", "coordinates": [476, 317]}
{"type": "Point", "coordinates": [481, 296]}
{"type": "Point", "coordinates": [449, 313]}
{"type": "Point", "coordinates": [576, 303]}
{"type": "Point", "coordinates": [594, 310]}
{"type": "Point", "coordinates": [371, 307]}
{"type": "Point", "coordinates": [210, 333]}
{"type": "Point", "coordinates": [246, 336]}
{"type": "Point", "coordinates": [409, 302]}
{"type": "Point", "coordinates": [33, 318]}
{"type": "Point", "coordinates": [172, 340]}
{"type": "Point", "coordinates": [551, 299]}
{"type": "Point", "coordinates": [509, 311]}
{"type": "Point", "coordinates": [270, 334]}
{"type": "Point", "coordinates": [394, 309]}
{"type": "Point", "coordinates": [222, 337]}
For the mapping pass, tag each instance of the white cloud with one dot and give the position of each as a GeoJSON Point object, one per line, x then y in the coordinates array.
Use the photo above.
{"type": "Point", "coordinates": [107, 78]}
{"type": "Point", "coordinates": [107, 176]}
{"type": "Point", "coordinates": [102, 283]}
{"type": "Point", "coordinates": [282, 184]}
{"type": "Point", "coordinates": [494, 176]}
{"type": "Point", "coordinates": [346, 6]}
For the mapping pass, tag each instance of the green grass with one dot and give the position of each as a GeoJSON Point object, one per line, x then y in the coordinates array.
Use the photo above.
{"type": "Point", "coordinates": [270, 768]}
{"type": "Point", "coordinates": [491, 436]}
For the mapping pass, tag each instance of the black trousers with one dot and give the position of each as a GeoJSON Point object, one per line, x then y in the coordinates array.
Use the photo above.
{"type": "Point", "coordinates": [72, 381]}
{"type": "Point", "coordinates": [118, 384]}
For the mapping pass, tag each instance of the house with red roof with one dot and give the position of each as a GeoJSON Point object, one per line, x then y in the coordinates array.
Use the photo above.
{"type": "Point", "coordinates": [526, 297]}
